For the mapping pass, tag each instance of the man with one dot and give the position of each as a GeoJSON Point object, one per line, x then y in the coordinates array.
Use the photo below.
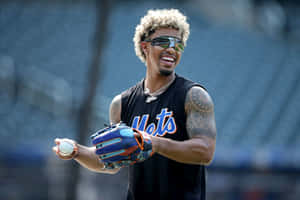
{"type": "Point", "coordinates": [178, 114]}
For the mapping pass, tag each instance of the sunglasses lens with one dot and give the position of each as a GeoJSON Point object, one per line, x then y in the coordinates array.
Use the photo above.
{"type": "Point", "coordinates": [164, 45]}
{"type": "Point", "coordinates": [166, 42]}
{"type": "Point", "coordinates": [160, 41]}
{"type": "Point", "coordinates": [180, 47]}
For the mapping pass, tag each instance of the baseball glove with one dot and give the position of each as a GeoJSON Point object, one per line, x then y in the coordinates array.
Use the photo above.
{"type": "Point", "coordinates": [119, 145]}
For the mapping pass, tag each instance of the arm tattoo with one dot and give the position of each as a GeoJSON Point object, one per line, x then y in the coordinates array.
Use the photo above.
{"type": "Point", "coordinates": [200, 113]}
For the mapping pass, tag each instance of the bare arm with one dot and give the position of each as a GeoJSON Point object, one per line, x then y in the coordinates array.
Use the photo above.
{"type": "Point", "coordinates": [115, 110]}
{"type": "Point", "coordinates": [88, 159]}
{"type": "Point", "coordinates": [201, 127]}
{"type": "Point", "coordinates": [86, 156]}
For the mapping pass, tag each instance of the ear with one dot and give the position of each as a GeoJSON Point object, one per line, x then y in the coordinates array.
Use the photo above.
{"type": "Point", "coordinates": [144, 47]}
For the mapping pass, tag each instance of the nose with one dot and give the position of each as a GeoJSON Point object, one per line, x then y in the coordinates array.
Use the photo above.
{"type": "Point", "coordinates": [171, 50]}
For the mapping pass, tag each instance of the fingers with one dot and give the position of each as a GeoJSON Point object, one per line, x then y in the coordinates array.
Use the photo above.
{"type": "Point", "coordinates": [57, 141]}
{"type": "Point", "coordinates": [55, 149]}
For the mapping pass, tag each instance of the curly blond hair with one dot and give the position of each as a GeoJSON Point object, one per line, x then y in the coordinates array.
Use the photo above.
{"type": "Point", "coordinates": [160, 18]}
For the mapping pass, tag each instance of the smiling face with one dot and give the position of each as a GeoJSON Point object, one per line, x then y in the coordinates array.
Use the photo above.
{"type": "Point", "coordinates": [161, 60]}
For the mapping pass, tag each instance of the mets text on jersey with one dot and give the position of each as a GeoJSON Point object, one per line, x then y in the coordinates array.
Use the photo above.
{"type": "Point", "coordinates": [165, 123]}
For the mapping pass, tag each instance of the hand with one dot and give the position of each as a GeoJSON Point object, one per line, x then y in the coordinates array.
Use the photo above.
{"type": "Point", "coordinates": [119, 145]}
{"type": "Point", "coordinates": [56, 150]}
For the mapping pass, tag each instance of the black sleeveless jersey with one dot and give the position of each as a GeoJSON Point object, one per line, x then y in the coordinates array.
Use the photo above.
{"type": "Point", "coordinates": [160, 178]}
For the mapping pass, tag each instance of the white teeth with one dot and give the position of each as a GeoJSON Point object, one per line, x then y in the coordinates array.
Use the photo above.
{"type": "Point", "coordinates": [168, 59]}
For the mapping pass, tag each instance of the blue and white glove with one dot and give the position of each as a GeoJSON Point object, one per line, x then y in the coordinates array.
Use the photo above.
{"type": "Point", "coordinates": [119, 145]}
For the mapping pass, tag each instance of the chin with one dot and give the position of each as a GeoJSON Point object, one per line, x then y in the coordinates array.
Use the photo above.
{"type": "Point", "coordinates": [165, 72]}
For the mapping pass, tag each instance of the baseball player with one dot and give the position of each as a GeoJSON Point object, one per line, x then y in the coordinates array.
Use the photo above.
{"type": "Point", "coordinates": [163, 128]}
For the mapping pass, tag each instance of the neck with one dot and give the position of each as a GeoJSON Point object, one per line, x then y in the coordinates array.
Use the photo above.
{"type": "Point", "coordinates": [154, 83]}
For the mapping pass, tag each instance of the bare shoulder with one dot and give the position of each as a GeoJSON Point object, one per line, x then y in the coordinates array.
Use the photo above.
{"type": "Point", "coordinates": [115, 109]}
{"type": "Point", "coordinates": [198, 99]}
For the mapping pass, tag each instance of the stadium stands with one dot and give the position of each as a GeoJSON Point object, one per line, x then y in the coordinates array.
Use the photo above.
{"type": "Point", "coordinates": [45, 53]}
{"type": "Point", "coordinates": [252, 79]}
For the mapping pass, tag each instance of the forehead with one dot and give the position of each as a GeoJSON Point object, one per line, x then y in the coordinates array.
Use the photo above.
{"type": "Point", "coordinates": [166, 31]}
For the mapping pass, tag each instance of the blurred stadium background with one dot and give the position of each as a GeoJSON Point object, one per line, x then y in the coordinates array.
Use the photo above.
{"type": "Point", "coordinates": [245, 52]}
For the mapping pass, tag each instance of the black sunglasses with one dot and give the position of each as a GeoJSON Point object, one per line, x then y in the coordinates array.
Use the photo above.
{"type": "Point", "coordinates": [167, 42]}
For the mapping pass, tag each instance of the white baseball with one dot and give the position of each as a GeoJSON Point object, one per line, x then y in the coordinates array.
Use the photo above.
{"type": "Point", "coordinates": [65, 148]}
